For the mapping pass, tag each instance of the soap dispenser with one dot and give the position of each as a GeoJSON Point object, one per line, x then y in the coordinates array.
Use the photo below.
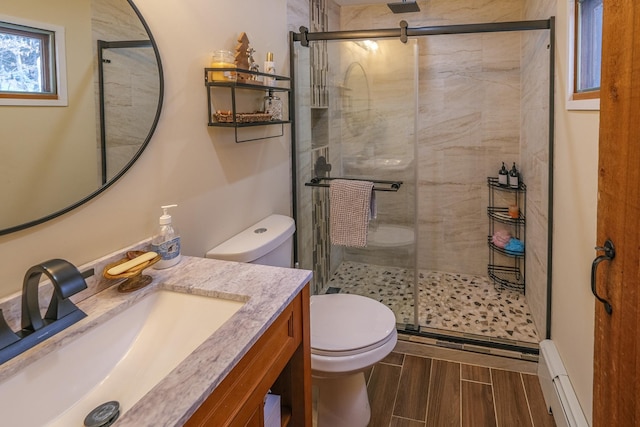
{"type": "Point", "coordinates": [167, 241]}
{"type": "Point", "coordinates": [514, 177]}
{"type": "Point", "coordinates": [503, 176]}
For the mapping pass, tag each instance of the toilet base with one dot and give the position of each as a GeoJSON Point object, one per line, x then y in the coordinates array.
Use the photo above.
{"type": "Point", "coordinates": [343, 401]}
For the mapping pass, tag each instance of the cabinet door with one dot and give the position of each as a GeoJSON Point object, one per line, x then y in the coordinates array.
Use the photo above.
{"type": "Point", "coordinates": [283, 348]}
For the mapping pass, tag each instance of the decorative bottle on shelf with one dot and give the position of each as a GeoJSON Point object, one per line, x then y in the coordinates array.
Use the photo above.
{"type": "Point", "coordinates": [269, 68]}
{"type": "Point", "coordinates": [503, 176]}
{"type": "Point", "coordinates": [514, 177]}
{"type": "Point", "coordinates": [273, 106]}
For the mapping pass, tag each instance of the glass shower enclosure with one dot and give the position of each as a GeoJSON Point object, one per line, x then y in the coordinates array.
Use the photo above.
{"type": "Point", "coordinates": [429, 120]}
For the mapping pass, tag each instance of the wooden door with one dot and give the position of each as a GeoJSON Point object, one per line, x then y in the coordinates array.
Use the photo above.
{"type": "Point", "coordinates": [617, 335]}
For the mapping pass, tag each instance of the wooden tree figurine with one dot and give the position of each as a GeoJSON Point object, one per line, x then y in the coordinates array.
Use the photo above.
{"type": "Point", "coordinates": [242, 56]}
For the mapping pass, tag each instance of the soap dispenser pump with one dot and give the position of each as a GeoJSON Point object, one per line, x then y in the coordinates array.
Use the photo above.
{"type": "Point", "coordinates": [167, 241]}
{"type": "Point", "coordinates": [503, 175]}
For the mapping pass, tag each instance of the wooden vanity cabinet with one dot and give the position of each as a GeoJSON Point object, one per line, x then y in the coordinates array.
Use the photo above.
{"type": "Point", "coordinates": [279, 361]}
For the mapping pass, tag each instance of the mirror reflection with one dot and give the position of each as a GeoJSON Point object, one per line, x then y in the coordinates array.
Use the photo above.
{"type": "Point", "coordinates": [356, 99]}
{"type": "Point", "coordinates": [54, 158]}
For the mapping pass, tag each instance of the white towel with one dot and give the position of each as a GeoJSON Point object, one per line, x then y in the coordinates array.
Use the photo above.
{"type": "Point", "coordinates": [350, 211]}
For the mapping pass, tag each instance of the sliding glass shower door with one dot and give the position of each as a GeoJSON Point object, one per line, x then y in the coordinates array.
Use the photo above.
{"type": "Point", "coordinates": [356, 119]}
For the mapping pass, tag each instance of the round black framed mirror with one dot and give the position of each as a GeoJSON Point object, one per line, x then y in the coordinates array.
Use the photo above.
{"type": "Point", "coordinates": [56, 158]}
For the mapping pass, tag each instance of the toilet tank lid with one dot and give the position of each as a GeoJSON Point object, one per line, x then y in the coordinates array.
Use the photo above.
{"type": "Point", "coordinates": [256, 241]}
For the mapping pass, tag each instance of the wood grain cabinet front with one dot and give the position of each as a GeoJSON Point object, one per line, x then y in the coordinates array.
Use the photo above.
{"type": "Point", "coordinates": [279, 361]}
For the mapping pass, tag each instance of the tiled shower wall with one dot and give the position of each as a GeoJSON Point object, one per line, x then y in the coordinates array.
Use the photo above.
{"type": "Point", "coordinates": [468, 123]}
{"type": "Point", "coordinates": [130, 83]}
{"type": "Point", "coordinates": [379, 142]}
{"type": "Point", "coordinates": [535, 155]}
{"type": "Point", "coordinates": [316, 136]}
{"type": "Point", "coordinates": [297, 16]}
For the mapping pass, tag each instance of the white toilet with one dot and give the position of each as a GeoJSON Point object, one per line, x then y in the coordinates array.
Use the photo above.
{"type": "Point", "coordinates": [349, 333]}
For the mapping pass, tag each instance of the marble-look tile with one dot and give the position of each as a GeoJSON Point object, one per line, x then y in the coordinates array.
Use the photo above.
{"type": "Point", "coordinates": [539, 9]}
{"type": "Point", "coordinates": [297, 14]}
{"type": "Point", "coordinates": [443, 56]}
{"type": "Point", "coordinates": [501, 51]}
{"type": "Point", "coordinates": [535, 154]}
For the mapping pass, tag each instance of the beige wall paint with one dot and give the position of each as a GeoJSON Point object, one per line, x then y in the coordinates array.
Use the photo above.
{"type": "Point", "coordinates": [575, 202]}
{"type": "Point", "coordinates": [48, 152]}
{"type": "Point", "coordinates": [221, 187]}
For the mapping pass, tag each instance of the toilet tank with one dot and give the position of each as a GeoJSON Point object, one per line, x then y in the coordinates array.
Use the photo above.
{"type": "Point", "coordinates": [268, 242]}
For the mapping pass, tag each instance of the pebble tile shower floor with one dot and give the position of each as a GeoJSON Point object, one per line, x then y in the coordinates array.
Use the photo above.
{"type": "Point", "coordinates": [455, 302]}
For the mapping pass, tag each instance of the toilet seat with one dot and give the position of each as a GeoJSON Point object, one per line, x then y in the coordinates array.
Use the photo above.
{"type": "Point", "coordinates": [349, 333]}
{"type": "Point", "coordinates": [347, 325]}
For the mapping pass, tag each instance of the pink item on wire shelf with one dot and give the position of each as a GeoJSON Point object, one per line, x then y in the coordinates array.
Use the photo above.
{"type": "Point", "coordinates": [500, 238]}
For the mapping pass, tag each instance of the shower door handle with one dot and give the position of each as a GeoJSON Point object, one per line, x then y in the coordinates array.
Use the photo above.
{"type": "Point", "coordinates": [609, 254]}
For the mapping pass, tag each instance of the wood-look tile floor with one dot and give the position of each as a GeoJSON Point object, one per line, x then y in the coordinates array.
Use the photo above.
{"type": "Point", "coordinates": [407, 390]}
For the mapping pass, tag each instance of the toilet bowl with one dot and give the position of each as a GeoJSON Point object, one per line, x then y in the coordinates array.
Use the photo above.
{"type": "Point", "coordinates": [349, 333]}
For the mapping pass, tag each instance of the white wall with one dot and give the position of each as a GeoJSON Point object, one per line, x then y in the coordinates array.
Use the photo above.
{"type": "Point", "coordinates": [575, 201]}
{"type": "Point", "coordinates": [221, 187]}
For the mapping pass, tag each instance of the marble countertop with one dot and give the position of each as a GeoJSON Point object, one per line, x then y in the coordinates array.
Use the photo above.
{"type": "Point", "coordinates": [265, 290]}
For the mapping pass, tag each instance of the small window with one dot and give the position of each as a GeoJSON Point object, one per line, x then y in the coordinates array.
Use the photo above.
{"type": "Point", "coordinates": [31, 63]}
{"type": "Point", "coordinates": [587, 49]}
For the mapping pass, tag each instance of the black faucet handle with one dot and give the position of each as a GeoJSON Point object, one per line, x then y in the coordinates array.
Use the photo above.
{"type": "Point", "coordinates": [66, 281]}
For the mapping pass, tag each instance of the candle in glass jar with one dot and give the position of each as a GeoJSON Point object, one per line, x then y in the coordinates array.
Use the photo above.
{"type": "Point", "coordinates": [222, 59]}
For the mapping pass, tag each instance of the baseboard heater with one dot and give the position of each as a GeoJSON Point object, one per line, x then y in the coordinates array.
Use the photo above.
{"type": "Point", "coordinates": [558, 392]}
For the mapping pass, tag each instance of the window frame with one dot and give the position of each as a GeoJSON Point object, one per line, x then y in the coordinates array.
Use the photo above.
{"type": "Point", "coordinates": [587, 100]}
{"type": "Point", "coordinates": [589, 93]}
{"type": "Point", "coordinates": [57, 65]}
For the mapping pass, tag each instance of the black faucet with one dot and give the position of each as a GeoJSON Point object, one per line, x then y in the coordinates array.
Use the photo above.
{"type": "Point", "coordinates": [62, 312]}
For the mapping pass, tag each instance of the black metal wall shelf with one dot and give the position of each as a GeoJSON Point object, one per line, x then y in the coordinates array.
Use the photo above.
{"type": "Point", "coordinates": [502, 250]}
{"type": "Point", "coordinates": [247, 85]}
{"type": "Point", "coordinates": [502, 215]}
{"type": "Point", "coordinates": [507, 277]}
{"type": "Point", "coordinates": [244, 83]}
{"type": "Point", "coordinates": [248, 125]}
{"type": "Point", "coordinates": [493, 182]}
{"type": "Point", "coordinates": [506, 268]}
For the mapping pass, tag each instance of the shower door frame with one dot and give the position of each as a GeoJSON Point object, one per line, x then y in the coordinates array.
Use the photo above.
{"type": "Point", "coordinates": [403, 33]}
{"type": "Point", "coordinates": [102, 46]}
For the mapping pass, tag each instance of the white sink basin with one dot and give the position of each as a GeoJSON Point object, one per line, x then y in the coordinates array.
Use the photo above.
{"type": "Point", "coordinates": [120, 359]}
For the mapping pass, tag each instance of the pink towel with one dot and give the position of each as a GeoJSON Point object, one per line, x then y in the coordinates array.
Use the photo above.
{"type": "Point", "coordinates": [350, 211]}
{"type": "Point", "coordinates": [501, 238]}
